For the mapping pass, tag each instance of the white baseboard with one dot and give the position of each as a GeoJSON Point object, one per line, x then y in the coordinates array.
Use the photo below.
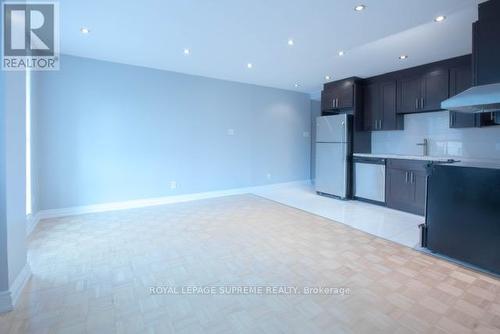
{"type": "Point", "coordinates": [31, 222]}
{"type": "Point", "coordinates": [19, 284]}
{"type": "Point", "coordinates": [79, 210]}
{"type": "Point", "coordinates": [8, 299]}
{"type": "Point", "coordinates": [5, 302]}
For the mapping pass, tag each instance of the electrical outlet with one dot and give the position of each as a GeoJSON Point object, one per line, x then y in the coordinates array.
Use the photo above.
{"type": "Point", "coordinates": [173, 185]}
{"type": "Point", "coordinates": [230, 132]}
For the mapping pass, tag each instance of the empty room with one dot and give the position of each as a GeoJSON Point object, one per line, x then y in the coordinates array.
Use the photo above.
{"type": "Point", "coordinates": [190, 166]}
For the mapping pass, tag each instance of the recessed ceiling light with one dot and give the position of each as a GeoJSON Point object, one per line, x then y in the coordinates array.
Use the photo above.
{"type": "Point", "coordinates": [440, 18]}
{"type": "Point", "coordinates": [327, 77]}
{"type": "Point", "coordinates": [249, 65]}
{"type": "Point", "coordinates": [296, 85]}
{"type": "Point", "coordinates": [403, 57]}
{"type": "Point", "coordinates": [341, 53]}
{"type": "Point", "coordinates": [290, 42]}
{"type": "Point", "coordinates": [84, 30]}
{"type": "Point", "coordinates": [359, 8]}
{"type": "Point", "coordinates": [187, 52]}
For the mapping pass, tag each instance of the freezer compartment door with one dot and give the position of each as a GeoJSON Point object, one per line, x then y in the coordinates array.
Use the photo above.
{"type": "Point", "coordinates": [332, 129]}
{"type": "Point", "coordinates": [331, 169]}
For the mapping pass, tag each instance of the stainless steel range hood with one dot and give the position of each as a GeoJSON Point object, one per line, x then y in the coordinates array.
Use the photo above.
{"type": "Point", "coordinates": [477, 99]}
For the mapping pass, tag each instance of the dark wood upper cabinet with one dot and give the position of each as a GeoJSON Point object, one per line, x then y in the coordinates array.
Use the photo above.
{"type": "Point", "coordinates": [379, 107]}
{"type": "Point", "coordinates": [410, 94]}
{"type": "Point", "coordinates": [486, 53]}
{"type": "Point", "coordinates": [423, 91]}
{"type": "Point", "coordinates": [345, 95]}
{"type": "Point", "coordinates": [371, 102]}
{"type": "Point", "coordinates": [435, 89]}
{"type": "Point", "coordinates": [461, 80]}
{"type": "Point", "coordinates": [327, 102]}
{"type": "Point", "coordinates": [338, 95]}
{"type": "Point", "coordinates": [391, 120]}
{"type": "Point", "coordinates": [486, 36]}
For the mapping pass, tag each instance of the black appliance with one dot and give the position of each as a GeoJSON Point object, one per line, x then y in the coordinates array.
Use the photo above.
{"type": "Point", "coordinates": [463, 213]}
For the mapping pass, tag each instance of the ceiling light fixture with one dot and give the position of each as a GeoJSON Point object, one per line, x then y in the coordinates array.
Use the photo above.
{"type": "Point", "coordinates": [187, 52]}
{"type": "Point", "coordinates": [403, 57]}
{"type": "Point", "coordinates": [290, 42]}
{"type": "Point", "coordinates": [249, 65]}
{"type": "Point", "coordinates": [84, 30]}
{"type": "Point", "coordinates": [440, 18]}
{"type": "Point", "coordinates": [359, 8]}
{"type": "Point", "coordinates": [327, 77]}
{"type": "Point", "coordinates": [296, 85]}
{"type": "Point", "coordinates": [341, 53]}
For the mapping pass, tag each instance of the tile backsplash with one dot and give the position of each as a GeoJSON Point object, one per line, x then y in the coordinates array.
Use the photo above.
{"type": "Point", "coordinates": [477, 143]}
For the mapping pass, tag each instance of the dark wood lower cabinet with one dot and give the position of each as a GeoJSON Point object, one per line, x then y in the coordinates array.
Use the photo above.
{"type": "Point", "coordinates": [406, 185]}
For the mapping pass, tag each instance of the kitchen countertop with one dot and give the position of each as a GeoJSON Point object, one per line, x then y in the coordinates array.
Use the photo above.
{"type": "Point", "coordinates": [405, 157]}
{"type": "Point", "coordinates": [454, 161]}
{"type": "Point", "coordinates": [475, 164]}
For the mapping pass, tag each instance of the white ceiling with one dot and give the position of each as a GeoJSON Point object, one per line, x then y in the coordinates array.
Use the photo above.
{"type": "Point", "coordinates": [225, 35]}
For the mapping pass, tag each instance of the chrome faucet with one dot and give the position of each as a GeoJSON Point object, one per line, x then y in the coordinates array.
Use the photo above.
{"type": "Point", "coordinates": [425, 145]}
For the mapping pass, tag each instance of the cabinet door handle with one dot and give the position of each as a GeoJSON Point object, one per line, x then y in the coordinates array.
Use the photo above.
{"type": "Point", "coordinates": [380, 124]}
{"type": "Point", "coordinates": [416, 104]}
{"type": "Point", "coordinates": [333, 103]}
{"type": "Point", "coordinates": [413, 178]}
{"type": "Point", "coordinates": [406, 177]}
{"type": "Point", "coordinates": [337, 103]}
{"type": "Point", "coordinates": [422, 103]}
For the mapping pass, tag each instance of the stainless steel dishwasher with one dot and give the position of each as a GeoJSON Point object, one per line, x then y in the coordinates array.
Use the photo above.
{"type": "Point", "coordinates": [369, 179]}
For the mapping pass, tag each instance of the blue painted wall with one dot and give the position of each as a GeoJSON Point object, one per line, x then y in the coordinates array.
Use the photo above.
{"type": "Point", "coordinates": [106, 132]}
{"type": "Point", "coordinates": [4, 270]}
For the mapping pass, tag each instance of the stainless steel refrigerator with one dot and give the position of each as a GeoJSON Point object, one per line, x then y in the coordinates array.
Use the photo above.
{"type": "Point", "coordinates": [333, 149]}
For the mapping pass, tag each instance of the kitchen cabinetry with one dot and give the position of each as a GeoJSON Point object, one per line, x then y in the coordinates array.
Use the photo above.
{"type": "Point", "coordinates": [421, 92]}
{"type": "Point", "coordinates": [461, 80]}
{"type": "Point", "coordinates": [345, 96]}
{"type": "Point", "coordinates": [379, 107]}
{"type": "Point", "coordinates": [406, 185]}
{"type": "Point", "coordinates": [486, 52]}
{"type": "Point", "coordinates": [338, 95]}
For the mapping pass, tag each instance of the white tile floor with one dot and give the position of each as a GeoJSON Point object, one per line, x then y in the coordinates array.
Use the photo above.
{"type": "Point", "coordinates": [397, 226]}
